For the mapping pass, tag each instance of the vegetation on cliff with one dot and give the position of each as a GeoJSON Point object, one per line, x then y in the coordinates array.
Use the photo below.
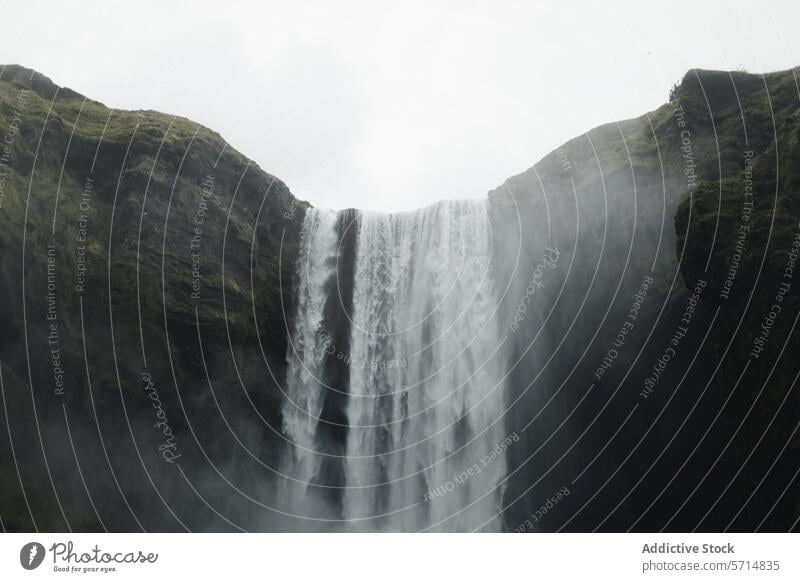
{"type": "Point", "coordinates": [130, 239]}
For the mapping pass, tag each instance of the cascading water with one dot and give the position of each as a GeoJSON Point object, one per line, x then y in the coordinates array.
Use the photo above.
{"type": "Point", "coordinates": [304, 389]}
{"type": "Point", "coordinates": [424, 398]}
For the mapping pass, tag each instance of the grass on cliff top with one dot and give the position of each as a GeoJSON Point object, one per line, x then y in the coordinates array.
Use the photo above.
{"type": "Point", "coordinates": [88, 119]}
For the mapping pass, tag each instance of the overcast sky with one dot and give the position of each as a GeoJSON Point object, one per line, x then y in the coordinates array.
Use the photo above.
{"type": "Point", "coordinates": [393, 105]}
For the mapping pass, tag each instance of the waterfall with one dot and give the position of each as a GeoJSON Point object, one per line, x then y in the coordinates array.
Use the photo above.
{"type": "Point", "coordinates": [424, 401]}
{"type": "Point", "coordinates": [304, 387]}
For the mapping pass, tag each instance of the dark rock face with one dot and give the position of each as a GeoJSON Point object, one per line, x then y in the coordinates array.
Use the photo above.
{"type": "Point", "coordinates": [156, 263]}
{"type": "Point", "coordinates": [627, 384]}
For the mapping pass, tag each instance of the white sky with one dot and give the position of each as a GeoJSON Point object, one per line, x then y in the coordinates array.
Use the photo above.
{"type": "Point", "coordinates": [393, 105]}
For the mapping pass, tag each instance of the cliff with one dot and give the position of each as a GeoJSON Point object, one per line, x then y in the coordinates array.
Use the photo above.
{"type": "Point", "coordinates": [136, 245]}
{"type": "Point", "coordinates": [646, 212]}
